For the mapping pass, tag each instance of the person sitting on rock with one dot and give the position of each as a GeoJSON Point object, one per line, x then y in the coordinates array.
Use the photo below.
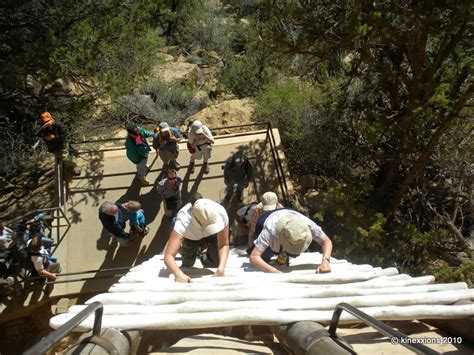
{"type": "Point", "coordinates": [202, 225]}
{"type": "Point", "coordinates": [137, 150]}
{"type": "Point", "coordinates": [169, 188]}
{"type": "Point", "coordinates": [165, 141]}
{"type": "Point", "coordinates": [200, 141]}
{"type": "Point", "coordinates": [287, 233]}
{"type": "Point", "coordinates": [238, 172]}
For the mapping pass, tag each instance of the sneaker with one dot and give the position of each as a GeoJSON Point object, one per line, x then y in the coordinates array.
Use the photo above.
{"type": "Point", "coordinates": [206, 168]}
{"type": "Point", "coordinates": [191, 167]}
{"type": "Point", "coordinates": [147, 229]}
{"type": "Point", "coordinates": [143, 180]}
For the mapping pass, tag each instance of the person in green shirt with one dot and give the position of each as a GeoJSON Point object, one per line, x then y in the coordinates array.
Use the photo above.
{"type": "Point", "coordinates": [137, 150]}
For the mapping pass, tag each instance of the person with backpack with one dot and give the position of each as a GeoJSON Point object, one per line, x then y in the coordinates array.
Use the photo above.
{"type": "Point", "coordinates": [169, 188]}
{"type": "Point", "coordinates": [242, 217]}
{"type": "Point", "coordinates": [43, 263]}
{"type": "Point", "coordinates": [287, 233]}
{"type": "Point", "coordinates": [165, 141]}
{"type": "Point", "coordinates": [200, 141]}
{"type": "Point", "coordinates": [137, 150]}
{"type": "Point", "coordinates": [238, 172]}
{"type": "Point", "coordinates": [53, 134]}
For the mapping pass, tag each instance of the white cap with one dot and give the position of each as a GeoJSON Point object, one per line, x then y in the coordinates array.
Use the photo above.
{"type": "Point", "coordinates": [269, 201]}
{"type": "Point", "coordinates": [196, 127]}
{"type": "Point", "coordinates": [207, 216]}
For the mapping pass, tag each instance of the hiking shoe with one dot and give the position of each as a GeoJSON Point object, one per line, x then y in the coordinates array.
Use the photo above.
{"type": "Point", "coordinates": [176, 165]}
{"type": "Point", "coordinates": [191, 167]}
{"type": "Point", "coordinates": [206, 168]}
{"type": "Point", "coordinates": [143, 180]}
{"type": "Point", "coordinates": [146, 230]}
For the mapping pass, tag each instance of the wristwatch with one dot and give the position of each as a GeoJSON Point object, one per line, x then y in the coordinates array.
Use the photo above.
{"type": "Point", "coordinates": [328, 259]}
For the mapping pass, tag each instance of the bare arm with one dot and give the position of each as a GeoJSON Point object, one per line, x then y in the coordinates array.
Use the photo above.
{"type": "Point", "coordinates": [47, 274]}
{"type": "Point", "coordinates": [256, 259]}
{"type": "Point", "coordinates": [223, 250]}
{"type": "Point", "coordinates": [326, 246]}
{"type": "Point", "coordinates": [172, 248]}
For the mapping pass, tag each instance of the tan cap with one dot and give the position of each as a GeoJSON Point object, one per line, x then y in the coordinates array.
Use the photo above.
{"type": "Point", "coordinates": [269, 201]}
{"type": "Point", "coordinates": [207, 216]}
{"type": "Point", "coordinates": [196, 127]}
{"type": "Point", "coordinates": [293, 233]}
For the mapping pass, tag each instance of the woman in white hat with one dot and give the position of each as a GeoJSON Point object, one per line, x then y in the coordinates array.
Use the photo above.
{"type": "Point", "coordinates": [200, 140]}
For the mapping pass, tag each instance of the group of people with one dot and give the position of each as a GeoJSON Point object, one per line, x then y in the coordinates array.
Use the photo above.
{"type": "Point", "coordinates": [165, 142]}
{"type": "Point", "coordinates": [26, 247]}
{"type": "Point", "coordinates": [202, 230]}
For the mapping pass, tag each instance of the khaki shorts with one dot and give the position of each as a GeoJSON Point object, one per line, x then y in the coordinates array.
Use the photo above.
{"type": "Point", "coordinates": [167, 156]}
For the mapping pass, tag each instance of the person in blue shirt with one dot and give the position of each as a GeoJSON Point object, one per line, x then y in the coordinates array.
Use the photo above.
{"type": "Point", "coordinates": [132, 210]}
{"type": "Point", "coordinates": [165, 141]}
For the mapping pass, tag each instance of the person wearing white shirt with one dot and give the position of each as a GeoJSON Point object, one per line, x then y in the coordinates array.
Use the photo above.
{"type": "Point", "coordinates": [202, 225]}
{"type": "Point", "coordinates": [200, 141]}
{"type": "Point", "coordinates": [290, 232]}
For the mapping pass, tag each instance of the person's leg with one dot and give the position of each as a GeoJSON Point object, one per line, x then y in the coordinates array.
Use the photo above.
{"type": "Point", "coordinates": [211, 258]}
{"type": "Point", "coordinates": [206, 153]}
{"type": "Point", "coordinates": [166, 158]}
{"type": "Point", "coordinates": [189, 252]}
{"type": "Point", "coordinates": [197, 155]}
{"type": "Point", "coordinates": [174, 159]}
{"type": "Point", "coordinates": [142, 170]}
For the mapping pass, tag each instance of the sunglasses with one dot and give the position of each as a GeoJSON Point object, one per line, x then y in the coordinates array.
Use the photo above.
{"type": "Point", "coordinates": [172, 178]}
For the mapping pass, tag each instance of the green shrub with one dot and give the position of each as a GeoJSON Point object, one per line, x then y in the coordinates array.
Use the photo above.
{"type": "Point", "coordinates": [317, 141]}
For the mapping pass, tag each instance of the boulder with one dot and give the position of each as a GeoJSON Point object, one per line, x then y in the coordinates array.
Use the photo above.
{"type": "Point", "coordinates": [227, 113]}
{"type": "Point", "coordinates": [176, 71]}
{"type": "Point", "coordinates": [165, 58]}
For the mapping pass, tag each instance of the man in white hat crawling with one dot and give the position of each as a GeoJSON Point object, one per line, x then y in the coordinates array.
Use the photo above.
{"type": "Point", "coordinates": [287, 232]}
{"type": "Point", "coordinates": [200, 142]}
{"type": "Point", "coordinates": [201, 225]}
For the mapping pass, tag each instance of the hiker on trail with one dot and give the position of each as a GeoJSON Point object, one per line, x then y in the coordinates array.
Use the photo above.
{"type": "Point", "coordinates": [269, 203]}
{"type": "Point", "coordinates": [53, 134]}
{"type": "Point", "coordinates": [113, 221]}
{"type": "Point", "coordinates": [137, 150]}
{"type": "Point", "coordinates": [165, 141]}
{"type": "Point", "coordinates": [200, 142]}
{"type": "Point", "coordinates": [287, 233]}
{"type": "Point", "coordinates": [28, 228]}
{"type": "Point", "coordinates": [201, 225]}
{"type": "Point", "coordinates": [242, 217]}
{"type": "Point", "coordinates": [169, 190]}
{"type": "Point", "coordinates": [238, 172]}
{"type": "Point", "coordinates": [132, 210]}
{"type": "Point", "coordinates": [43, 262]}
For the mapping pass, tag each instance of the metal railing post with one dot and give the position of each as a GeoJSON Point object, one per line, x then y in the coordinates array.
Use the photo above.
{"type": "Point", "coordinates": [47, 342]}
{"type": "Point", "coordinates": [376, 324]}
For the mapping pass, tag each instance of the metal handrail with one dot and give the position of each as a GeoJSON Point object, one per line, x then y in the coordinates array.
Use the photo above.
{"type": "Point", "coordinates": [51, 339]}
{"type": "Point", "coordinates": [378, 325]}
